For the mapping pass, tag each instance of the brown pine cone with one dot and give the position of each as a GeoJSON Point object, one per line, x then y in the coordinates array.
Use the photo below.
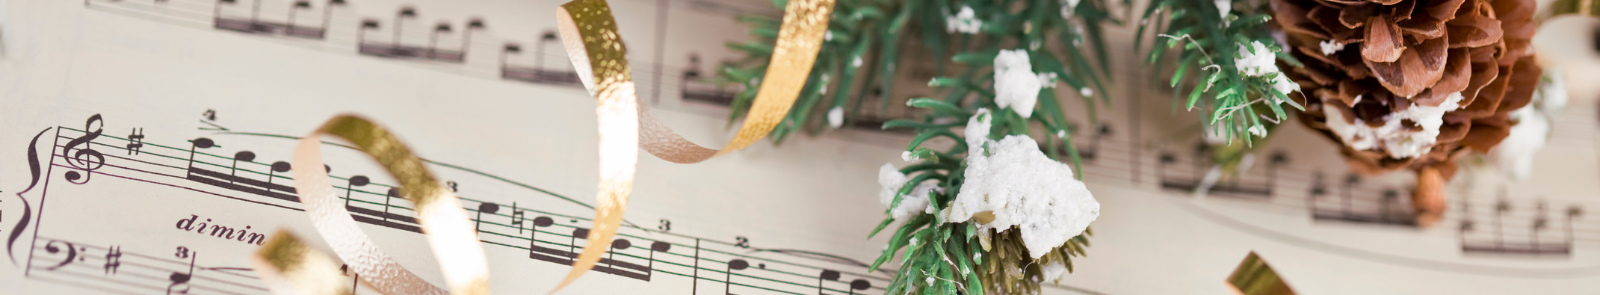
{"type": "Point", "coordinates": [1410, 83]}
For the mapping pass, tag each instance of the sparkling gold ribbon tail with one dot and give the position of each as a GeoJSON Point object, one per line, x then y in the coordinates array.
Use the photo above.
{"type": "Point", "coordinates": [595, 47]}
{"type": "Point", "coordinates": [1255, 277]}
{"type": "Point", "coordinates": [439, 214]}
{"type": "Point", "coordinates": [291, 267]}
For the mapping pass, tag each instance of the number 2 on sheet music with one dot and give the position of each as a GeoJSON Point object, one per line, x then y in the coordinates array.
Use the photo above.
{"type": "Point", "coordinates": [743, 242]}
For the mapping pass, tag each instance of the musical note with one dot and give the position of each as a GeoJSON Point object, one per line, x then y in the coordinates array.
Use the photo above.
{"type": "Point", "coordinates": [246, 156]}
{"type": "Point", "coordinates": [113, 259]}
{"type": "Point", "coordinates": [182, 278]}
{"type": "Point", "coordinates": [358, 180]}
{"type": "Point", "coordinates": [827, 275]}
{"type": "Point", "coordinates": [538, 72]}
{"type": "Point", "coordinates": [86, 158]}
{"type": "Point", "coordinates": [394, 192]}
{"type": "Point", "coordinates": [572, 246]}
{"type": "Point", "coordinates": [859, 284]}
{"type": "Point", "coordinates": [277, 167]}
{"type": "Point", "coordinates": [736, 264]}
{"type": "Point", "coordinates": [694, 87]}
{"type": "Point", "coordinates": [1506, 242]}
{"type": "Point", "coordinates": [136, 141]}
{"type": "Point", "coordinates": [485, 207]}
{"type": "Point", "coordinates": [1386, 209]}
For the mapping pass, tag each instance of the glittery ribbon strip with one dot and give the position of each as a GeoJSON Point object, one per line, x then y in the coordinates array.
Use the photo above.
{"type": "Point", "coordinates": [439, 214]}
{"type": "Point", "coordinates": [1255, 277]}
{"type": "Point", "coordinates": [291, 267]}
{"type": "Point", "coordinates": [595, 47]}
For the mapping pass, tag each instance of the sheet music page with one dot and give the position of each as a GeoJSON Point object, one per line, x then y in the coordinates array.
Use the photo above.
{"type": "Point", "coordinates": [145, 148]}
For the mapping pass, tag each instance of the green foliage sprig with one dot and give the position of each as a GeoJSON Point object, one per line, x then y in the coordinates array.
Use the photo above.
{"type": "Point", "coordinates": [868, 39]}
{"type": "Point", "coordinates": [1210, 41]}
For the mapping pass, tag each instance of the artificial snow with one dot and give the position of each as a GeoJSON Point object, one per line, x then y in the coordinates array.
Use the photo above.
{"type": "Point", "coordinates": [1393, 135]}
{"type": "Point", "coordinates": [1015, 84]}
{"type": "Point", "coordinates": [1329, 47]}
{"type": "Point", "coordinates": [1515, 154]}
{"type": "Point", "coordinates": [891, 181]}
{"type": "Point", "coordinates": [1223, 7]}
{"type": "Point", "coordinates": [836, 117]}
{"type": "Point", "coordinates": [1054, 270]}
{"type": "Point", "coordinates": [1086, 92]}
{"type": "Point", "coordinates": [1256, 60]}
{"type": "Point", "coordinates": [965, 21]}
{"type": "Point", "coordinates": [908, 156]}
{"type": "Point", "coordinates": [1021, 187]}
{"type": "Point", "coordinates": [1048, 79]}
{"type": "Point", "coordinates": [1067, 6]}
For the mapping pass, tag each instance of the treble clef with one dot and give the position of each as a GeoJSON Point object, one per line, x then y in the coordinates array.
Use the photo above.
{"type": "Point", "coordinates": [86, 158]}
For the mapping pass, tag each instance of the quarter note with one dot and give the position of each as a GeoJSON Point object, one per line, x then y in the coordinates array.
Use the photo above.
{"type": "Point", "coordinates": [736, 264]}
{"type": "Point", "coordinates": [182, 279]}
{"type": "Point", "coordinates": [657, 246]}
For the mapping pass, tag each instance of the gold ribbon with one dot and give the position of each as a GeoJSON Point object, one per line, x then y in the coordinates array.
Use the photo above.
{"type": "Point", "coordinates": [590, 34]}
{"type": "Point", "coordinates": [439, 213]}
{"type": "Point", "coordinates": [595, 47]}
{"type": "Point", "coordinates": [292, 267]}
{"type": "Point", "coordinates": [1255, 277]}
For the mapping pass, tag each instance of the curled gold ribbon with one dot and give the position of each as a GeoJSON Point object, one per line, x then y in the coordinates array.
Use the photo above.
{"type": "Point", "coordinates": [595, 47]}
{"type": "Point", "coordinates": [590, 34]}
{"type": "Point", "coordinates": [439, 214]}
{"type": "Point", "coordinates": [292, 267]}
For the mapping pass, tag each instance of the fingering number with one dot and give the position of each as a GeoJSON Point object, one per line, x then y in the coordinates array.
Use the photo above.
{"type": "Point", "coordinates": [743, 242]}
{"type": "Point", "coordinates": [210, 115]}
{"type": "Point", "coordinates": [452, 185]}
{"type": "Point", "coordinates": [666, 225]}
{"type": "Point", "coordinates": [183, 252]}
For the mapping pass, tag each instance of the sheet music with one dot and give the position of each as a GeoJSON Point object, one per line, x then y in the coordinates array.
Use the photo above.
{"type": "Point", "coordinates": [161, 132]}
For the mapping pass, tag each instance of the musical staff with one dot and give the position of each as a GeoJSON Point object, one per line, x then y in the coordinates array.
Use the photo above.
{"type": "Point", "coordinates": [123, 272]}
{"type": "Point", "coordinates": [1354, 204]}
{"type": "Point", "coordinates": [255, 25]}
{"type": "Point", "coordinates": [538, 72]}
{"type": "Point", "coordinates": [1508, 234]}
{"type": "Point", "coordinates": [1203, 172]}
{"type": "Point", "coordinates": [672, 254]}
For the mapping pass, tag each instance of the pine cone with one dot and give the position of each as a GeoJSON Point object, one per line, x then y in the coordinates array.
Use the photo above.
{"type": "Point", "coordinates": [1421, 81]}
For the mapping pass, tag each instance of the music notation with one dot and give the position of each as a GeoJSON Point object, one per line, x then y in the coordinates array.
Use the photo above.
{"type": "Point", "coordinates": [538, 72]}
{"type": "Point", "coordinates": [1202, 172]}
{"type": "Point", "coordinates": [1506, 233]}
{"type": "Point", "coordinates": [697, 87]}
{"type": "Point", "coordinates": [116, 271]}
{"type": "Point", "coordinates": [397, 48]}
{"type": "Point", "coordinates": [637, 253]}
{"type": "Point", "coordinates": [255, 25]}
{"type": "Point", "coordinates": [1357, 205]}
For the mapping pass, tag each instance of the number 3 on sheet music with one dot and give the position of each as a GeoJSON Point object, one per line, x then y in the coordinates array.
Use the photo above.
{"type": "Point", "coordinates": [666, 225]}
